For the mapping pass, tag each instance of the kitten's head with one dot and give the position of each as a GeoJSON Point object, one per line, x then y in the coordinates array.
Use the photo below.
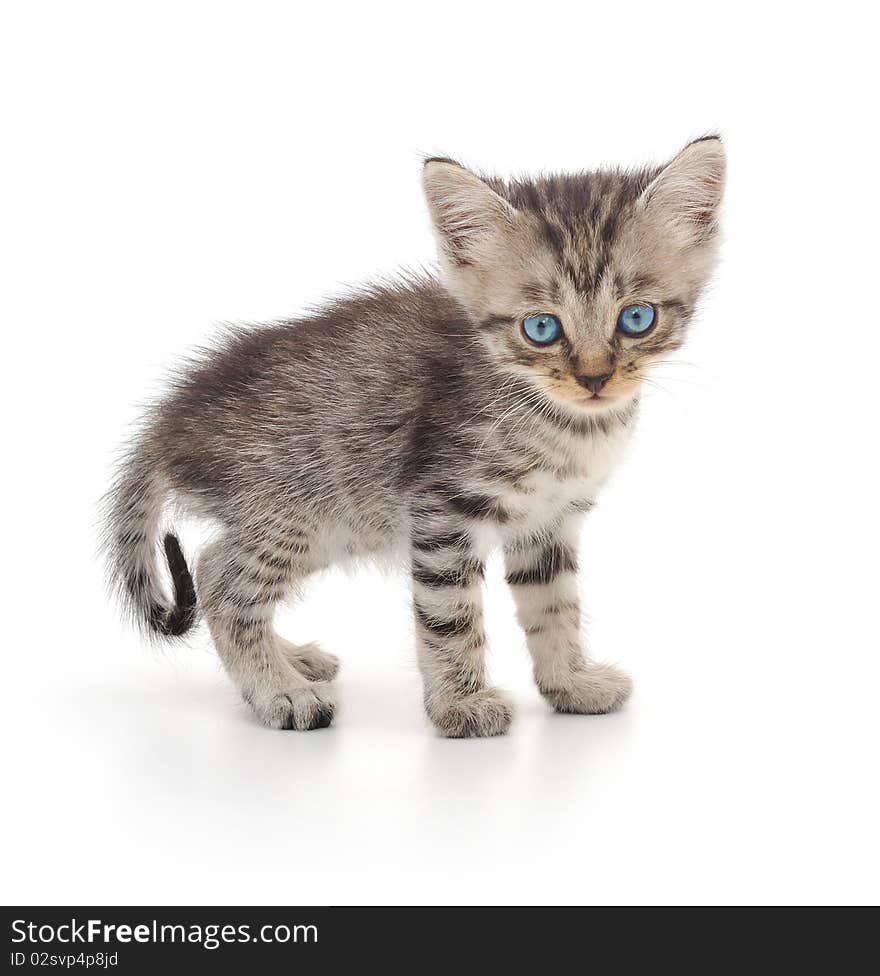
{"type": "Point", "coordinates": [580, 283]}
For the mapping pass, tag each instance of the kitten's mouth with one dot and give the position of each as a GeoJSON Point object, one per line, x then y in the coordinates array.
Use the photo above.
{"type": "Point", "coordinates": [585, 400]}
{"type": "Point", "coordinates": [596, 401]}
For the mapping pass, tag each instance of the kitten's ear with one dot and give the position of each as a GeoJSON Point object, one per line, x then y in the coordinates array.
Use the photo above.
{"type": "Point", "coordinates": [465, 211]}
{"type": "Point", "coordinates": [686, 194]}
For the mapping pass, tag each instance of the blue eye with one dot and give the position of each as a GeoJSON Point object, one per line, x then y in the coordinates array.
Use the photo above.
{"type": "Point", "coordinates": [542, 329]}
{"type": "Point", "coordinates": [635, 320]}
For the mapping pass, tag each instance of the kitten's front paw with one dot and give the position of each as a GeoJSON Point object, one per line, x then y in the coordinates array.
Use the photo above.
{"type": "Point", "coordinates": [312, 662]}
{"type": "Point", "coordinates": [483, 713]}
{"type": "Point", "coordinates": [303, 708]}
{"type": "Point", "coordinates": [593, 690]}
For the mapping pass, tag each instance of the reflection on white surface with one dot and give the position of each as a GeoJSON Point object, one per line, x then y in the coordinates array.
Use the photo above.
{"type": "Point", "coordinates": [146, 780]}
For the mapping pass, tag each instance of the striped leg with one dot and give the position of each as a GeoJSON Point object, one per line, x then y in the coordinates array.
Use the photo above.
{"type": "Point", "coordinates": [447, 581]}
{"type": "Point", "coordinates": [542, 573]}
{"type": "Point", "coordinates": [238, 593]}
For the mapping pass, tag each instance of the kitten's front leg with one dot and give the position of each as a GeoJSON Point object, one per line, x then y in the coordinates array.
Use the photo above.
{"type": "Point", "coordinates": [542, 573]}
{"type": "Point", "coordinates": [447, 581]}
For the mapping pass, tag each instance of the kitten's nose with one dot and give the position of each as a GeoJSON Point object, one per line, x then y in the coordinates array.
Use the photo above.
{"type": "Point", "coordinates": [594, 383]}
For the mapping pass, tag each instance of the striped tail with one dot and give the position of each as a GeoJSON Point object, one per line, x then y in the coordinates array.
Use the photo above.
{"type": "Point", "coordinates": [134, 510]}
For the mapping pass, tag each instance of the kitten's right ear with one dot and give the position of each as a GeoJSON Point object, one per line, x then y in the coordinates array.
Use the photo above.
{"type": "Point", "coordinates": [465, 211]}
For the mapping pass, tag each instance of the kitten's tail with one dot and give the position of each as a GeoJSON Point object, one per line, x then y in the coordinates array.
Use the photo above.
{"type": "Point", "coordinates": [133, 512]}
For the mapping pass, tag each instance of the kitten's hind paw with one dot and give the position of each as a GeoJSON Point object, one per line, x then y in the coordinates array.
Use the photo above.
{"type": "Point", "coordinates": [303, 707]}
{"type": "Point", "coordinates": [595, 689]}
{"type": "Point", "coordinates": [311, 661]}
{"type": "Point", "coordinates": [482, 713]}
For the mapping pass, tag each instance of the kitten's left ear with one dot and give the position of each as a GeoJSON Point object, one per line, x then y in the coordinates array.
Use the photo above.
{"type": "Point", "coordinates": [686, 194]}
{"type": "Point", "coordinates": [465, 211]}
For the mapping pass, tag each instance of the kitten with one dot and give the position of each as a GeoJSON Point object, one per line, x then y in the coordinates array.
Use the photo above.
{"type": "Point", "coordinates": [433, 419]}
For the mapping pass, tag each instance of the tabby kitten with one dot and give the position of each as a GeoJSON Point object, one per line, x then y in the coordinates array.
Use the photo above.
{"type": "Point", "coordinates": [433, 420]}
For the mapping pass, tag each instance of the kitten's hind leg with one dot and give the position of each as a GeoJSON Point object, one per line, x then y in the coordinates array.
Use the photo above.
{"type": "Point", "coordinates": [310, 660]}
{"type": "Point", "coordinates": [238, 591]}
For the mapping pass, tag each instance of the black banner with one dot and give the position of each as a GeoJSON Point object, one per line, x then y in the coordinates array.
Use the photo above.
{"type": "Point", "coordinates": [140, 940]}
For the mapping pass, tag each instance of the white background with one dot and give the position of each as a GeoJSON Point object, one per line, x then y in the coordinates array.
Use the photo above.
{"type": "Point", "coordinates": [169, 166]}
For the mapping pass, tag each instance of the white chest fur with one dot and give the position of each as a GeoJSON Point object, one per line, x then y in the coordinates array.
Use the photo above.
{"type": "Point", "coordinates": [541, 496]}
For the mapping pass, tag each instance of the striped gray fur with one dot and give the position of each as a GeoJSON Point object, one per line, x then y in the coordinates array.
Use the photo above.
{"type": "Point", "coordinates": [413, 420]}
